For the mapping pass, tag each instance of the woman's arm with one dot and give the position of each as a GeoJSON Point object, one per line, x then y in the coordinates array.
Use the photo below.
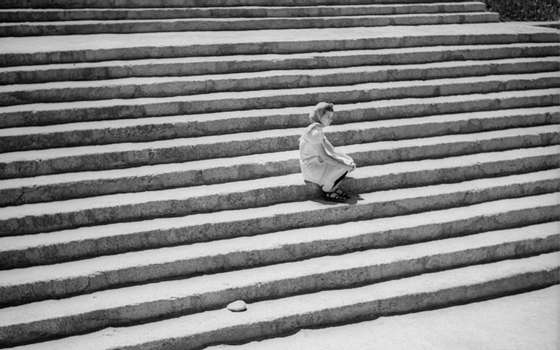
{"type": "Point", "coordinates": [332, 159]}
{"type": "Point", "coordinates": [341, 157]}
{"type": "Point", "coordinates": [316, 136]}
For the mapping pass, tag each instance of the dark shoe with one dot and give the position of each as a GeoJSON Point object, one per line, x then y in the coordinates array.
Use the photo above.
{"type": "Point", "coordinates": [334, 197]}
{"type": "Point", "coordinates": [342, 193]}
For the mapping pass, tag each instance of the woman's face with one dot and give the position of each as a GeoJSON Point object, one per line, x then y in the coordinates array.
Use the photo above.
{"type": "Point", "coordinates": [327, 117]}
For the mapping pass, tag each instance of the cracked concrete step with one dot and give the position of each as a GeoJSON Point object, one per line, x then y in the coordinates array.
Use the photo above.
{"type": "Point", "coordinates": [51, 216]}
{"type": "Point", "coordinates": [161, 128]}
{"type": "Point", "coordinates": [276, 317]}
{"type": "Point", "coordinates": [204, 172]}
{"type": "Point", "coordinates": [103, 47]}
{"type": "Point", "coordinates": [195, 3]}
{"type": "Point", "coordinates": [79, 111]}
{"type": "Point", "coordinates": [125, 155]}
{"type": "Point", "coordinates": [276, 79]}
{"type": "Point", "coordinates": [236, 64]}
{"type": "Point", "coordinates": [365, 273]}
{"type": "Point", "coordinates": [228, 24]}
{"type": "Point", "coordinates": [28, 15]}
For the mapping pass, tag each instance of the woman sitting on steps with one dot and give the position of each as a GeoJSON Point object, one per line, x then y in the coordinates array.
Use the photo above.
{"type": "Point", "coordinates": [320, 163]}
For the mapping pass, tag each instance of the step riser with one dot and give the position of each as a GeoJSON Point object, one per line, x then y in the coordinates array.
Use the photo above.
{"type": "Point", "coordinates": [188, 3]}
{"type": "Point", "coordinates": [276, 82]}
{"type": "Point", "coordinates": [239, 65]}
{"type": "Point", "coordinates": [257, 123]}
{"type": "Point", "coordinates": [263, 197]}
{"type": "Point", "coordinates": [268, 47]}
{"type": "Point", "coordinates": [114, 14]}
{"type": "Point", "coordinates": [280, 288]}
{"type": "Point", "coordinates": [176, 153]}
{"type": "Point", "coordinates": [366, 311]}
{"type": "Point", "coordinates": [192, 106]}
{"type": "Point", "coordinates": [61, 252]}
{"type": "Point", "coordinates": [247, 170]}
{"type": "Point", "coordinates": [268, 23]}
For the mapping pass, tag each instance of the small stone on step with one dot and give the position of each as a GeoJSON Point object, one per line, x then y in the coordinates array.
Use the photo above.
{"type": "Point", "coordinates": [237, 306]}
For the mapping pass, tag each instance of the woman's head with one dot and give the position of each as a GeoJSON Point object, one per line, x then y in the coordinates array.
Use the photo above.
{"type": "Point", "coordinates": [322, 113]}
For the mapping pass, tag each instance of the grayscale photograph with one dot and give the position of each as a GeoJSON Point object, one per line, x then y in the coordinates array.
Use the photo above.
{"type": "Point", "coordinates": [280, 174]}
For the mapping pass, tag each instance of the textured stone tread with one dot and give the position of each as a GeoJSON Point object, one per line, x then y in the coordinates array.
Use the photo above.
{"type": "Point", "coordinates": [229, 24]}
{"type": "Point", "coordinates": [274, 317]}
{"type": "Point", "coordinates": [197, 3]}
{"type": "Point", "coordinates": [172, 86]}
{"type": "Point", "coordinates": [102, 47]}
{"type": "Point", "coordinates": [25, 15]}
{"type": "Point", "coordinates": [88, 275]}
{"type": "Point", "coordinates": [51, 216]}
{"type": "Point", "coordinates": [159, 128]}
{"type": "Point", "coordinates": [119, 155]}
{"type": "Point", "coordinates": [59, 112]}
{"type": "Point", "coordinates": [86, 242]}
{"type": "Point", "coordinates": [204, 172]}
{"type": "Point", "coordinates": [240, 63]}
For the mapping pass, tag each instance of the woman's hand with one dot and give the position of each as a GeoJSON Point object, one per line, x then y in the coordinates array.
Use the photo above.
{"type": "Point", "coordinates": [351, 165]}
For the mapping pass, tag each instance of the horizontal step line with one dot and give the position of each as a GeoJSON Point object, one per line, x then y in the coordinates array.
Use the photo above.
{"type": "Point", "coordinates": [265, 278]}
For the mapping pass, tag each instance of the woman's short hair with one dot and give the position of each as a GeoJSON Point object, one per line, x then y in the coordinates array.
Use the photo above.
{"type": "Point", "coordinates": [319, 110]}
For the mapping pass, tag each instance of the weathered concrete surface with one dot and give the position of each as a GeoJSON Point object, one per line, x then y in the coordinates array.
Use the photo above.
{"type": "Point", "coordinates": [272, 318]}
{"type": "Point", "coordinates": [88, 242]}
{"type": "Point", "coordinates": [26, 15]}
{"type": "Point", "coordinates": [44, 217]}
{"type": "Point", "coordinates": [197, 125]}
{"type": "Point", "coordinates": [111, 156]}
{"type": "Point", "coordinates": [90, 48]}
{"type": "Point", "coordinates": [522, 321]}
{"type": "Point", "coordinates": [87, 276]}
{"type": "Point", "coordinates": [286, 79]}
{"type": "Point", "coordinates": [64, 112]}
{"type": "Point", "coordinates": [227, 24]}
{"type": "Point", "coordinates": [220, 170]}
{"type": "Point", "coordinates": [308, 276]}
{"type": "Point", "coordinates": [263, 62]}
{"type": "Point", "coordinates": [172, 228]}
{"type": "Point", "coordinates": [385, 180]}
{"type": "Point", "coordinates": [192, 3]}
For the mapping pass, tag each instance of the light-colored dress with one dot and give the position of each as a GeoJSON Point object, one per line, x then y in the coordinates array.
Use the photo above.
{"type": "Point", "coordinates": [313, 167]}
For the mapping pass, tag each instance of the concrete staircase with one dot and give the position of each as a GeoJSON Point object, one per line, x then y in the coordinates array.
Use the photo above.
{"type": "Point", "coordinates": [167, 16]}
{"type": "Point", "coordinates": [149, 179]}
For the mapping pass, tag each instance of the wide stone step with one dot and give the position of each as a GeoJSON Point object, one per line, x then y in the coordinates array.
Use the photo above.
{"type": "Point", "coordinates": [490, 278]}
{"type": "Point", "coordinates": [176, 86]}
{"type": "Point", "coordinates": [65, 279]}
{"type": "Point", "coordinates": [44, 217]}
{"type": "Point", "coordinates": [196, 125]}
{"type": "Point", "coordinates": [103, 47]}
{"type": "Point", "coordinates": [60, 112]}
{"type": "Point", "coordinates": [218, 170]}
{"type": "Point", "coordinates": [56, 247]}
{"type": "Point", "coordinates": [193, 3]}
{"type": "Point", "coordinates": [123, 155]}
{"type": "Point", "coordinates": [287, 315]}
{"type": "Point", "coordinates": [227, 24]}
{"type": "Point", "coordinates": [27, 15]}
{"type": "Point", "coordinates": [236, 64]}
{"type": "Point", "coordinates": [489, 323]}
